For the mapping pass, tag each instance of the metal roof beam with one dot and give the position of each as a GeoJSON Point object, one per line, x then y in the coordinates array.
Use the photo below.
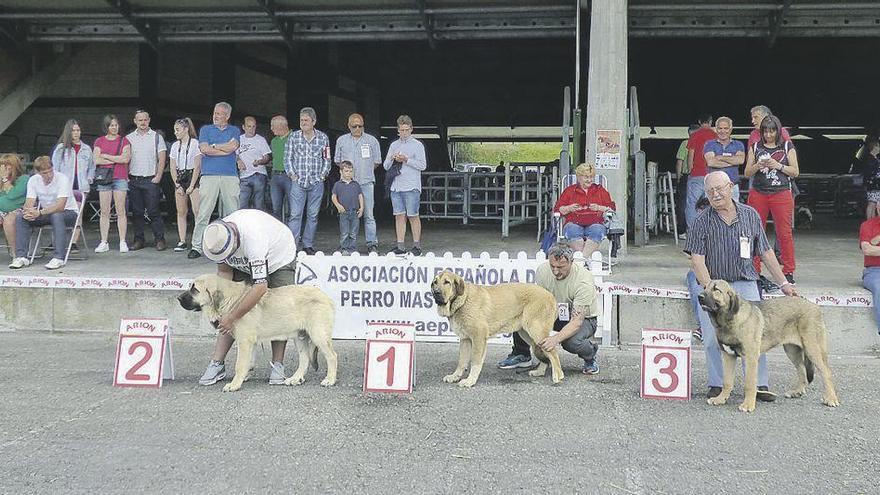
{"type": "Point", "coordinates": [144, 28]}
{"type": "Point", "coordinates": [776, 20]}
{"type": "Point", "coordinates": [428, 22]}
{"type": "Point", "coordinates": [268, 6]}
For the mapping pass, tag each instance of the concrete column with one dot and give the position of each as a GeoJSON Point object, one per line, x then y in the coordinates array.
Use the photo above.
{"type": "Point", "coordinates": [607, 90]}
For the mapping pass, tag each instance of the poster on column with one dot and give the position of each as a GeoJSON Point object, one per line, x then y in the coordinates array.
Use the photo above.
{"type": "Point", "coordinates": [608, 149]}
{"type": "Point", "coordinates": [393, 288]}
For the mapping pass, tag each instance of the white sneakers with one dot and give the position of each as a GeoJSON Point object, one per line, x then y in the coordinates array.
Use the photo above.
{"type": "Point", "coordinates": [102, 248]}
{"type": "Point", "coordinates": [54, 264]}
{"type": "Point", "coordinates": [123, 247]}
{"type": "Point", "coordinates": [19, 263]}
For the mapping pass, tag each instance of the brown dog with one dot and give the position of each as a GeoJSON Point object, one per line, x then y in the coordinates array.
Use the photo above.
{"type": "Point", "coordinates": [748, 329]}
{"type": "Point", "coordinates": [478, 312]}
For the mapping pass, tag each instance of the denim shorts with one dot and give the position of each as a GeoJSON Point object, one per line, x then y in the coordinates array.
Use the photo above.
{"type": "Point", "coordinates": [575, 232]}
{"type": "Point", "coordinates": [116, 185]}
{"type": "Point", "coordinates": [406, 202]}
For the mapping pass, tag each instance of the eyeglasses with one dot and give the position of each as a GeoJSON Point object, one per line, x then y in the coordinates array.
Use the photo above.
{"type": "Point", "coordinates": [719, 189]}
{"type": "Point", "coordinates": [356, 126]}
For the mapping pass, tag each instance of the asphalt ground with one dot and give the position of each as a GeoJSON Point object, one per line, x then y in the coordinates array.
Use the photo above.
{"type": "Point", "coordinates": [65, 429]}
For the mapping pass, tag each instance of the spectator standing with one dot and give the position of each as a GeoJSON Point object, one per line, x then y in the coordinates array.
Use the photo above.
{"type": "Point", "coordinates": [112, 151]}
{"type": "Point", "coordinates": [253, 155]}
{"type": "Point", "coordinates": [49, 201]}
{"type": "Point", "coordinates": [362, 150]}
{"type": "Point", "coordinates": [406, 157]}
{"type": "Point", "coordinates": [722, 241]}
{"type": "Point", "coordinates": [13, 190]}
{"type": "Point", "coordinates": [757, 114]}
{"type": "Point", "coordinates": [218, 181]}
{"type": "Point", "coordinates": [348, 198]}
{"type": "Point", "coordinates": [279, 185]}
{"type": "Point", "coordinates": [147, 166]}
{"type": "Point", "coordinates": [584, 206]}
{"type": "Point", "coordinates": [772, 164]}
{"type": "Point", "coordinates": [869, 241]}
{"type": "Point", "coordinates": [186, 164]}
{"type": "Point", "coordinates": [697, 164]}
{"type": "Point", "coordinates": [683, 172]}
{"type": "Point", "coordinates": [73, 158]}
{"type": "Point", "coordinates": [307, 163]}
{"type": "Point", "coordinates": [725, 153]}
{"type": "Point", "coordinates": [869, 165]}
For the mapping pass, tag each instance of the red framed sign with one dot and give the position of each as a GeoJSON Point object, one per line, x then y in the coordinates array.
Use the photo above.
{"type": "Point", "coordinates": [143, 353]}
{"type": "Point", "coordinates": [666, 364]}
{"type": "Point", "coordinates": [389, 360]}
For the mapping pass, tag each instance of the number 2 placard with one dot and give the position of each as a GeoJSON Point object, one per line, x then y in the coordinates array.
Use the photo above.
{"type": "Point", "coordinates": [390, 358]}
{"type": "Point", "coordinates": [666, 364]}
{"type": "Point", "coordinates": [143, 355]}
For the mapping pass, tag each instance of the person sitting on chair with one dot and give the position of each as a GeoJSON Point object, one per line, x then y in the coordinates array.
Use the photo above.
{"type": "Point", "coordinates": [584, 205]}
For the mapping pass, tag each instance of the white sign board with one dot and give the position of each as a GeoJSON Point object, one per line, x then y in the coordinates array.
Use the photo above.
{"type": "Point", "coordinates": [389, 362]}
{"type": "Point", "coordinates": [143, 354]}
{"type": "Point", "coordinates": [666, 364]}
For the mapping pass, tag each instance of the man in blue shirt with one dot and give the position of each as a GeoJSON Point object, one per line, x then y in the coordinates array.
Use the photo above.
{"type": "Point", "coordinates": [218, 182]}
{"type": "Point", "coordinates": [307, 163]}
{"type": "Point", "coordinates": [407, 154]}
{"type": "Point", "coordinates": [725, 154]}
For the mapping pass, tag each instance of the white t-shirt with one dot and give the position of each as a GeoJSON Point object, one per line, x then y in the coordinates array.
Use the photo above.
{"type": "Point", "coordinates": [251, 149]}
{"type": "Point", "coordinates": [48, 194]}
{"type": "Point", "coordinates": [265, 244]}
{"type": "Point", "coordinates": [185, 158]}
{"type": "Point", "coordinates": [145, 149]}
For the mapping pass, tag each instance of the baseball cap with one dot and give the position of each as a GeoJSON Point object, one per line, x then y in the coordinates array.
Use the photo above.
{"type": "Point", "coordinates": [219, 241]}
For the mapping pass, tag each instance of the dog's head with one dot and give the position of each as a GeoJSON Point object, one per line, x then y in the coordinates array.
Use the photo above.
{"type": "Point", "coordinates": [719, 297]}
{"type": "Point", "coordinates": [203, 292]}
{"type": "Point", "coordinates": [446, 286]}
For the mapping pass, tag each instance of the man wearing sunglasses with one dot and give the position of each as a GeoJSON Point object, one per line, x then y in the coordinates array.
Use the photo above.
{"type": "Point", "coordinates": [362, 150]}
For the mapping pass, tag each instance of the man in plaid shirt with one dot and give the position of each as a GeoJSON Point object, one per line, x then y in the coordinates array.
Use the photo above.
{"type": "Point", "coordinates": [307, 163]}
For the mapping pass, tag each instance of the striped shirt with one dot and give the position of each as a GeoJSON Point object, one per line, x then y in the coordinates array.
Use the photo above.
{"type": "Point", "coordinates": [308, 160]}
{"type": "Point", "coordinates": [710, 236]}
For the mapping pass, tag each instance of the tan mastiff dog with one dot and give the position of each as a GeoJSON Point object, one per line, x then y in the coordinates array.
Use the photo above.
{"type": "Point", "coordinates": [478, 312]}
{"type": "Point", "coordinates": [748, 329]}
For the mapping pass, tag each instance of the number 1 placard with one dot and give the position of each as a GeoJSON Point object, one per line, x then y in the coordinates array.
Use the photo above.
{"type": "Point", "coordinates": [666, 364]}
{"type": "Point", "coordinates": [389, 361]}
{"type": "Point", "coordinates": [143, 355]}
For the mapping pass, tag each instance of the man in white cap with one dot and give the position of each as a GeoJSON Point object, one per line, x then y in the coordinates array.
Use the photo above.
{"type": "Point", "coordinates": [249, 246]}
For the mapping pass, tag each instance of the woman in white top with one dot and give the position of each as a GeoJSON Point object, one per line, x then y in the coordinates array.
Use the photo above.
{"type": "Point", "coordinates": [73, 158]}
{"type": "Point", "coordinates": [186, 164]}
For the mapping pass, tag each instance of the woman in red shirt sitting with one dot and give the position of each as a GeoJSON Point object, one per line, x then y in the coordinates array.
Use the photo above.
{"type": "Point", "coordinates": [584, 205]}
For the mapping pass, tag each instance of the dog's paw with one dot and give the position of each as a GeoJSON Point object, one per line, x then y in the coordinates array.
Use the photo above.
{"type": "Point", "coordinates": [538, 372]}
{"type": "Point", "coordinates": [558, 379]}
{"type": "Point", "coordinates": [795, 394]}
{"type": "Point", "coordinates": [830, 401]}
{"type": "Point", "coordinates": [295, 380]}
{"type": "Point", "coordinates": [452, 378]}
{"type": "Point", "coordinates": [747, 407]}
{"type": "Point", "coordinates": [467, 382]}
{"type": "Point", "coordinates": [327, 382]}
{"type": "Point", "coordinates": [231, 387]}
{"type": "Point", "coordinates": [717, 401]}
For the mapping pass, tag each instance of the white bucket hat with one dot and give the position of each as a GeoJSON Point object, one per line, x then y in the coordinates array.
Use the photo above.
{"type": "Point", "coordinates": [219, 241]}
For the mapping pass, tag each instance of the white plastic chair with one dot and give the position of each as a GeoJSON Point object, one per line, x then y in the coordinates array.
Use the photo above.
{"type": "Point", "coordinates": [76, 227]}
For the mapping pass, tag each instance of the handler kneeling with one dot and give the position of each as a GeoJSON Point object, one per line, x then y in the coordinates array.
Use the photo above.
{"type": "Point", "coordinates": [574, 289]}
{"type": "Point", "coordinates": [253, 247]}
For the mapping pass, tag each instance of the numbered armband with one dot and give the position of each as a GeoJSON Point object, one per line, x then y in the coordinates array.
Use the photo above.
{"type": "Point", "coordinates": [259, 271]}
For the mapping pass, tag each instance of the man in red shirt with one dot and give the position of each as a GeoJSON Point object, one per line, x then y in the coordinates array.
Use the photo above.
{"type": "Point", "coordinates": [697, 162]}
{"type": "Point", "coordinates": [758, 113]}
{"type": "Point", "coordinates": [869, 239]}
{"type": "Point", "coordinates": [584, 205]}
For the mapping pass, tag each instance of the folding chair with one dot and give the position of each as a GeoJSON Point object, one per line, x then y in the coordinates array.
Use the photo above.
{"type": "Point", "coordinates": [77, 227]}
{"type": "Point", "coordinates": [614, 228]}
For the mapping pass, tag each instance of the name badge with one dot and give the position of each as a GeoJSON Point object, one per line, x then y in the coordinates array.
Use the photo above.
{"type": "Point", "coordinates": [562, 312]}
{"type": "Point", "coordinates": [365, 151]}
{"type": "Point", "coordinates": [745, 248]}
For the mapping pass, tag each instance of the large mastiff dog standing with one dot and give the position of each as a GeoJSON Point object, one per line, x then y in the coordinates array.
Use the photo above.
{"type": "Point", "coordinates": [478, 312]}
{"type": "Point", "coordinates": [748, 329]}
{"type": "Point", "coordinates": [298, 313]}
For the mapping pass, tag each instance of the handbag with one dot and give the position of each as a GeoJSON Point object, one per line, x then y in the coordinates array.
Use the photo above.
{"type": "Point", "coordinates": [104, 174]}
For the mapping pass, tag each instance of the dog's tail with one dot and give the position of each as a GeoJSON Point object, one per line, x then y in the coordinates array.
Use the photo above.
{"type": "Point", "coordinates": [809, 366]}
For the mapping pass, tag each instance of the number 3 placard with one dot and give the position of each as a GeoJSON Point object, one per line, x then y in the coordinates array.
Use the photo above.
{"type": "Point", "coordinates": [390, 357]}
{"type": "Point", "coordinates": [143, 355]}
{"type": "Point", "coordinates": [666, 364]}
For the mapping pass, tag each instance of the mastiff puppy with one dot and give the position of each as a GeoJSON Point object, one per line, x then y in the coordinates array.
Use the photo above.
{"type": "Point", "coordinates": [299, 313]}
{"type": "Point", "coordinates": [478, 312]}
{"type": "Point", "coordinates": [747, 329]}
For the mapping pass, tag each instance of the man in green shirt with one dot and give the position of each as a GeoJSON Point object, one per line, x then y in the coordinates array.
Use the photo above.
{"type": "Point", "coordinates": [574, 289]}
{"type": "Point", "coordinates": [279, 186]}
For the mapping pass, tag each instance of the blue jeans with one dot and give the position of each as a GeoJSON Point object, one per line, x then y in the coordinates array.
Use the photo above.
{"type": "Point", "coordinates": [144, 198]}
{"type": "Point", "coordinates": [279, 189]}
{"type": "Point", "coordinates": [253, 192]}
{"type": "Point", "coordinates": [369, 220]}
{"type": "Point", "coordinates": [748, 290]}
{"type": "Point", "coordinates": [576, 232]}
{"type": "Point", "coordinates": [59, 222]}
{"type": "Point", "coordinates": [348, 230]}
{"type": "Point", "coordinates": [306, 199]}
{"type": "Point", "coordinates": [695, 191]}
{"type": "Point", "coordinates": [694, 289]}
{"type": "Point", "coordinates": [871, 281]}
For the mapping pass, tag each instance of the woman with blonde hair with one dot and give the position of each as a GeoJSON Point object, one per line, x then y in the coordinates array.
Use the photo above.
{"type": "Point", "coordinates": [186, 165]}
{"type": "Point", "coordinates": [73, 158]}
{"type": "Point", "coordinates": [112, 151]}
{"type": "Point", "coordinates": [584, 204]}
{"type": "Point", "coordinates": [13, 189]}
